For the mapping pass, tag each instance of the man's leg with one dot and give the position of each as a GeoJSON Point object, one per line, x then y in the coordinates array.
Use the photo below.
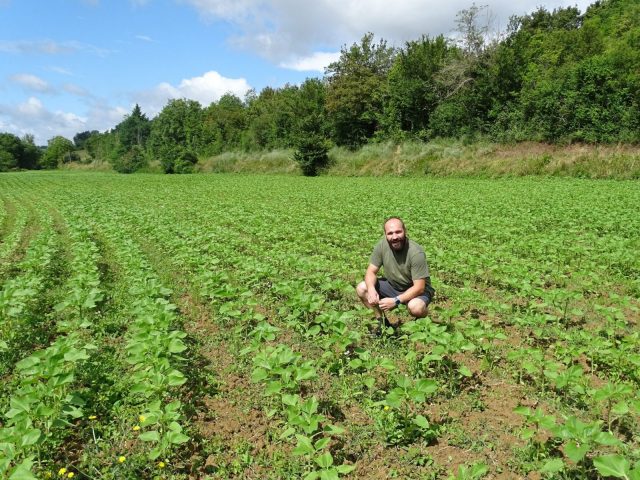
{"type": "Point", "coordinates": [418, 307]}
{"type": "Point", "coordinates": [361, 290]}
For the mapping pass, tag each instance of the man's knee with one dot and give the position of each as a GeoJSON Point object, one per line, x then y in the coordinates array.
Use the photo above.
{"type": "Point", "coordinates": [417, 308]}
{"type": "Point", "coordinates": [361, 289]}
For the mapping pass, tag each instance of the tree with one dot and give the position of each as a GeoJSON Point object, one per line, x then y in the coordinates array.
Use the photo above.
{"type": "Point", "coordinates": [11, 150]}
{"type": "Point", "coordinates": [312, 148]}
{"type": "Point", "coordinates": [30, 153]}
{"type": "Point", "coordinates": [464, 82]}
{"type": "Point", "coordinates": [131, 136]}
{"type": "Point", "coordinates": [224, 124]}
{"type": "Point", "coordinates": [80, 139]}
{"type": "Point", "coordinates": [133, 130]}
{"type": "Point", "coordinates": [356, 90]}
{"type": "Point", "coordinates": [413, 89]}
{"type": "Point", "coordinates": [59, 150]}
{"type": "Point", "coordinates": [177, 129]}
{"type": "Point", "coordinates": [271, 118]}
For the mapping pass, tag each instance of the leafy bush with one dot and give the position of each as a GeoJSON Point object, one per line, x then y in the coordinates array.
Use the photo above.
{"type": "Point", "coordinates": [312, 154]}
{"type": "Point", "coordinates": [131, 161]}
{"type": "Point", "coordinates": [179, 160]}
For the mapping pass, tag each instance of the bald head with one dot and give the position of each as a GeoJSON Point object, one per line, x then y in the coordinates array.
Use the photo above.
{"type": "Point", "coordinates": [395, 233]}
{"type": "Point", "coordinates": [393, 219]}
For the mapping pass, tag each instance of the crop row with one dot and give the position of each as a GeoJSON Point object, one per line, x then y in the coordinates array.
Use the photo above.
{"type": "Point", "coordinates": [517, 299]}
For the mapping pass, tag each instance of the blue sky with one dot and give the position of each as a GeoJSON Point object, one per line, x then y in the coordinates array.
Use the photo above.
{"type": "Point", "coordinates": [68, 66]}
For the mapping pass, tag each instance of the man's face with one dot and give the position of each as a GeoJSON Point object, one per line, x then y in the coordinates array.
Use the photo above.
{"type": "Point", "coordinates": [395, 234]}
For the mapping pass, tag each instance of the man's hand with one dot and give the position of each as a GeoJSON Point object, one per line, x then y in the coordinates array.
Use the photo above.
{"type": "Point", "coordinates": [387, 304]}
{"type": "Point", "coordinates": [372, 296]}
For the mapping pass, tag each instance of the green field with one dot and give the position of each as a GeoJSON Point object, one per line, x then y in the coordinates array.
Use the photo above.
{"type": "Point", "coordinates": [206, 326]}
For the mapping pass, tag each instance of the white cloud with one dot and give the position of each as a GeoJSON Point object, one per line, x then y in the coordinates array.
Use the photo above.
{"type": "Point", "coordinates": [31, 82]}
{"type": "Point", "coordinates": [50, 47]}
{"type": "Point", "coordinates": [76, 90]}
{"type": "Point", "coordinates": [144, 38]}
{"type": "Point", "coordinates": [33, 117]}
{"type": "Point", "coordinates": [60, 70]}
{"type": "Point", "coordinates": [47, 47]}
{"type": "Point", "coordinates": [289, 31]}
{"type": "Point", "coordinates": [317, 62]}
{"type": "Point", "coordinates": [205, 89]}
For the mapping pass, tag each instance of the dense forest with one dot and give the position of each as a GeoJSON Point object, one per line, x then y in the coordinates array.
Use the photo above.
{"type": "Point", "coordinates": [554, 76]}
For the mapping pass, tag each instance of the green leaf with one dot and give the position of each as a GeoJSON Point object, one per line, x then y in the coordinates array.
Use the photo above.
{"type": "Point", "coordinates": [465, 371]}
{"type": "Point", "coordinates": [290, 400]}
{"type": "Point", "coordinates": [176, 378]}
{"type": "Point", "coordinates": [553, 466]}
{"type": "Point", "coordinates": [574, 452]}
{"type": "Point", "coordinates": [150, 436]}
{"type": "Point", "coordinates": [369, 382]}
{"type": "Point", "coordinates": [75, 354]}
{"type": "Point", "coordinates": [176, 438]}
{"type": "Point", "coordinates": [305, 373]}
{"type": "Point", "coordinates": [612, 466]}
{"type": "Point", "coordinates": [333, 429]}
{"type": "Point", "coordinates": [31, 437]}
{"type": "Point", "coordinates": [272, 388]}
{"type": "Point", "coordinates": [176, 346]}
{"type": "Point", "coordinates": [23, 471]}
{"type": "Point", "coordinates": [258, 375]}
{"type": "Point", "coordinates": [344, 469]}
{"type": "Point", "coordinates": [330, 474]}
{"type": "Point", "coordinates": [606, 438]}
{"type": "Point", "coordinates": [394, 398]}
{"type": "Point", "coordinates": [304, 446]}
{"type": "Point", "coordinates": [620, 408]}
{"type": "Point", "coordinates": [28, 362]}
{"type": "Point", "coordinates": [320, 444]}
{"type": "Point", "coordinates": [421, 421]}
{"type": "Point", "coordinates": [325, 460]}
{"type": "Point", "coordinates": [155, 453]}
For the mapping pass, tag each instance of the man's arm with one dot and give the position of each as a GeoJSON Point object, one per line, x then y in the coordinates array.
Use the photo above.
{"type": "Point", "coordinates": [370, 278]}
{"type": "Point", "coordinates": [412, 292]}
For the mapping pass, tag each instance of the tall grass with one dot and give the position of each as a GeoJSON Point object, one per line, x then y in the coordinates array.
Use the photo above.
{"type": "Point", "coordinates": [276, 161]}
{"type": "Point", "coordinates": [436, 158]}
{"type": "Point", "coordinates": [455, 158]}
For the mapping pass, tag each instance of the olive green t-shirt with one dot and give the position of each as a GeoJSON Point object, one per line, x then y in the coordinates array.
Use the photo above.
{"type": "Point", "coordinates": [403, 267]}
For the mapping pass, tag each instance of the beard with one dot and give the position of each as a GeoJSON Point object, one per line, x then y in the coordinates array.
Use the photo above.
{"type": "Point", "coordinates": [399, 245]}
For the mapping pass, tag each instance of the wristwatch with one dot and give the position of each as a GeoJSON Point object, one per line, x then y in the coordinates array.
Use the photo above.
{"type": "Point", "coordinates": [397, 300]}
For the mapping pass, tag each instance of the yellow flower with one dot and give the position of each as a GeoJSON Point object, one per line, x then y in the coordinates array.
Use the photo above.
{"type": "Point", "coordinates": [47, 475]}
{"type": "Point", "coordinates": [161, 464]}
{"type": "Point", "coordinates": [70, 475]}
{"type": "Point", "coordinates": [122, 458]}
{"type": "Point", "coordinates": [386, 407]}
{"type": "Point", "coordinates": [136, 428]}
{"type": "Point", "coordinates": [142, 418]}
{"type": "Point", "coordinates": [62, 471]}
{"type": "Point", "coordinates": [92, 417]}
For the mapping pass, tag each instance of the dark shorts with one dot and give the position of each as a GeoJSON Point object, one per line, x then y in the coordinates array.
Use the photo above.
{"type": "Point", "coordinates": [386, 290]}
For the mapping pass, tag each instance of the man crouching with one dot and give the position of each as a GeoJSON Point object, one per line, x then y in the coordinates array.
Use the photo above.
{"type": "Point", "coordinates": [406, 279]}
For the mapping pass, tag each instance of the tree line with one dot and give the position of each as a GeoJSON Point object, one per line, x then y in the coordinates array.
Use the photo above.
{"type": "Point", "coordinates": [554, 76]}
